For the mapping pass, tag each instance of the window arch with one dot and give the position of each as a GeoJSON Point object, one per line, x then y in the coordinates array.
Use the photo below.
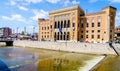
{"type": "Point", "coordinates": [68, 25]}
{"type": "Point", "coordinates": [58, 24]}
{"type": "Point", "coordinates": [64, 23]}
{"type": "Point", "coordinates": [55, 24]}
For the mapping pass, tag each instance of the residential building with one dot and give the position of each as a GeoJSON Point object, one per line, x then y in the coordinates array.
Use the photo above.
{"type": "Point", "coordinates": [1, 32]}
{"type": "Point", "coordinates": [72, 24]}
{"type": "Point", "coordinates": [117, 33]}
{"type": "Point", "coordinates": [5, 32]}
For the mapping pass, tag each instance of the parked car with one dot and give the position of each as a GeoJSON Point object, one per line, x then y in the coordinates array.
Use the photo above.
{"type": "Point", "coordinates": [87, 42]}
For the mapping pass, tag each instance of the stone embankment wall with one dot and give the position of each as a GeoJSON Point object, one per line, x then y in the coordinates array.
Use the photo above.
{"type": "Point", "coordinates": [91, 48]}
{"type": "Point", "coordinates": [2, 43]}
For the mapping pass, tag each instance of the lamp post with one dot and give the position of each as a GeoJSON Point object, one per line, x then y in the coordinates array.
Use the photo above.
{"type": "Point", "coordinates": [17, 33]}
{"type": "Point", "coordinates": [33, 32]}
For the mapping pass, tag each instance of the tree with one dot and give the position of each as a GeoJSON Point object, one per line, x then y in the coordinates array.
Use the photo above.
{"type": "Point", "coordinates": [23, 33]}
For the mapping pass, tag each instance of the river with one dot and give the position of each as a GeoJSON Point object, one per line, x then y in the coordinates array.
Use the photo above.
{"type": "Point", "coordinates": [33, 59]}
{"type": "Point", "coordinates": [111, 63]}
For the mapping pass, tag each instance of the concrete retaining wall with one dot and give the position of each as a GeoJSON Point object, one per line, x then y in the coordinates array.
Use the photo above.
{"type": "Point", "coordinates": [91, 48]}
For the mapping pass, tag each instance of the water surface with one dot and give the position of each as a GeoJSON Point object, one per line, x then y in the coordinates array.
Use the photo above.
{"type": "Point", "coordinates": [111, 63]}
{"type": "Point", "coordinates": [32, 59]}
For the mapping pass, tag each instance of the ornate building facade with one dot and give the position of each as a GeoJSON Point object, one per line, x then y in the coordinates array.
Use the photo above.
{"type": "Point", "coordinates": [72, 24]}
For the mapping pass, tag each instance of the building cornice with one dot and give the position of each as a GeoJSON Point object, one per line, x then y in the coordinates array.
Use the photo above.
{"type": "Point", "coordinates": [110, 7]}
{"type": "Point", "coordinates": [95, 13]}
{"type": "Point", "coordinates": [65, 9]}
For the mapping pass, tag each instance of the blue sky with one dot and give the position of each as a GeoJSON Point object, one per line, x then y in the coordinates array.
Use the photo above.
{"type": "Point", "coordinates": [24, 13]}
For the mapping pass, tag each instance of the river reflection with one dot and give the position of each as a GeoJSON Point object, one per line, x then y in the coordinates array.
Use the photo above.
{"type": "Point", "coordinates": [59, 64]}
{"type": "Point", "coordinates": [31, 59]}
{"type": "Point", "coordinates": [111, 63]}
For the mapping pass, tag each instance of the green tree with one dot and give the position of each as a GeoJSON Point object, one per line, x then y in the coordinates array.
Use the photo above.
{"type": "Point", "coordinates": [23, 33]}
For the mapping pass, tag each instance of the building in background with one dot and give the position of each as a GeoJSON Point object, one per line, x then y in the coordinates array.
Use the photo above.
{"type": "Point", "coordinates": [72, 24]}
{"type": "Point", "coordinates": [5, 32]}
{"type": "Point", "coordinates": [117, 33]}
{"type": "Point", "coordinates": [117, 29]}
{"type": "Point", "coordinates": [1, 32]}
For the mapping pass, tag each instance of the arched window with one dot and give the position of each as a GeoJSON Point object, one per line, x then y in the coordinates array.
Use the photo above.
{"type": "Point", "coordinates": [64, 35]}
{"type": "Point", "coordinates": [68, 25]}
{"type": "Point", "coordinates": [61, 36]}
{"type": "Point", "coordinates": [68, 34]}
{"type": "Point", "coordinates": [58, 36]}
{"type": "Point", "coordinates": [58, 24]}
{"type": "Point", "coordinates": [55, 35]}
{"type": "Point", "coordinates": [87, 24]}
{"type": "Point", "coordinates": [64, 23]}
{"type": "Point", "coordinates": [55, 24]}
{"type": "Point", "coordinates": [92, 22]}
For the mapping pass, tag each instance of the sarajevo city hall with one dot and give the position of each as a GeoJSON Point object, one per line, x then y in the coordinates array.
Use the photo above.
{"type": "Point", "coordinates": [73, 24]}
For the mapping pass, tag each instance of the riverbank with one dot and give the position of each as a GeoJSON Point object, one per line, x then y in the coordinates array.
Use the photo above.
{"type": "Point", "coordinates": [2, 43]}
{"type": "Point", "coordinates": [89, 48]}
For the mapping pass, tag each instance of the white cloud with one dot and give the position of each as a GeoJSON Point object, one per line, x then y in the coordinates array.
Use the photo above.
{"type": "Point", "coordinates": [111, 1]}
{"type": "Point", "coordinates": [22, 2]}
{"type": "Point", "coordinates": [66, 3]}
{"type": "Point", "coordinates": [6, 18]}
{"type": "Point", "coordinates": [118, 18]}
{"type": "Point", "coordinates": [73, 2]}
{"type": "Point", "coordinates": [23, 8]}
{"type": "Point", "coordinates": [39, 14]}
{"type": "Point", "coordinates": [27, 2]}
{"type": "Point", "coordinates": [14, 17]}
{"type": "Point", "coordinates": [114, 1]}
{"type": "Point", "coordinates": [53, 1]}
{"type": "Point", "coordinates": [12, 3]}
{"type": "Point", "coordinates": [33, 1]}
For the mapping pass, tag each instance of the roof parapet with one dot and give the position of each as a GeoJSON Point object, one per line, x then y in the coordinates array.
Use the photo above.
{"type": "Point", "coordinates": [66, 9]}
{"type": "Point", "coordinates": [110, 7]}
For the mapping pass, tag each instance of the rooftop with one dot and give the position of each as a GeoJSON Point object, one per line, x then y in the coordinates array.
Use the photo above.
{"type": "Point", "coordinates": [110, 7]}
{"type": "Point", "coordinates": [66, 9]}
{"type": "Point", "coordinates": [94, 13]}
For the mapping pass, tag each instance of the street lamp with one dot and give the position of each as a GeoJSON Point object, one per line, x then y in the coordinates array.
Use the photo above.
{"type": "Point", "coordinates": [33, 32]}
